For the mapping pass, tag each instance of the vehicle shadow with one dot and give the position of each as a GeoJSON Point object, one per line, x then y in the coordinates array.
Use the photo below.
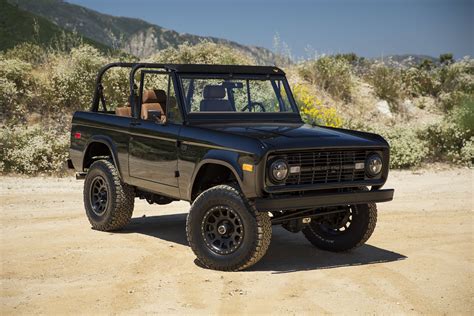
{"type": "Point", "coordinates": [167, 227]}
{"type": "Point", "coordinates": [288, 252]}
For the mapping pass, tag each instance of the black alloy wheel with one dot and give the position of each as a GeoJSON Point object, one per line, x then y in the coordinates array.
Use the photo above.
{"type": "Point", "coordinates": [225, 231]}
{"type": "Point", "coordinates": [222, 229]}
{"type": "Point", "coordinates": [99, 196]}
{"type": "Point", "coordinates": [108, 201]}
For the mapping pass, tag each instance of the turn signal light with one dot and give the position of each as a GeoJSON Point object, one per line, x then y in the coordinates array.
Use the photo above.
{"type": "Point", "coordinates": [247, 167]}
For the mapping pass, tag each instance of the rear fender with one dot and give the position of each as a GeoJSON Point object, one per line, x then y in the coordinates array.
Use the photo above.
{"type": "Point", "coordinates": [111, 146]}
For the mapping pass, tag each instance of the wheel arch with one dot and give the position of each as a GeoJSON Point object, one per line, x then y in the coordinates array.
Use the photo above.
{"type": "Point", "coordinates": [100, 146]}
{"type": "Point", "coordinates": [208, 164]}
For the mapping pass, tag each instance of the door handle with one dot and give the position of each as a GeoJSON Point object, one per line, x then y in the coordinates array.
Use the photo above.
{"type": "Point", "coordinates": [135, 123]}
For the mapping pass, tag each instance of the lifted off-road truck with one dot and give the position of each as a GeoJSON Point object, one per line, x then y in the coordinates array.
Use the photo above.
{"type": "Point", "coordinates": [230, 140]}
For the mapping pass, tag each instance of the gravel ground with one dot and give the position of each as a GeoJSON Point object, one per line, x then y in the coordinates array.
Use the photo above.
{"type": "Point", "coordinates": [419, 260]}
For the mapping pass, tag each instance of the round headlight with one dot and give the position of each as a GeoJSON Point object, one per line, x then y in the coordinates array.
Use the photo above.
{"type": "Point", "coordinates": [279, 170]}
{"type": "Point", "coordinates": [374, 165]}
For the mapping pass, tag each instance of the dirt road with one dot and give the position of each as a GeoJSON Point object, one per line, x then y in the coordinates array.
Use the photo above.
{"type": "Point", "coordinates": [419, 260]}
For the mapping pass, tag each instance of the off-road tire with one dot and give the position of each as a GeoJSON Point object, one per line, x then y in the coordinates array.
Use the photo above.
{"type": "Point", "coordinates": [120, 197]}
{"type": "Point", "coordinates": [256, 226]}
{"type": "Point", "coordinates": [364, 219]}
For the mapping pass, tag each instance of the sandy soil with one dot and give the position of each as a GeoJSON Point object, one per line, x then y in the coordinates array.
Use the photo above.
{"type": "Point", "coordinates": [419, 260]}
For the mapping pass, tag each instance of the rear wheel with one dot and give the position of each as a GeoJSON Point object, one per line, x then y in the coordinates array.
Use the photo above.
{"type": "Point", "coordinates": [108, 201]}
{"type": "Point", "coordinates": [225, 231]}
{"type": "Point", "coordinates": [343, 231]}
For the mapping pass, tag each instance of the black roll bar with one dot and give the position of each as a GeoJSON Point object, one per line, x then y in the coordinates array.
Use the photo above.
{"type": "Point", "coordinates": [98, 91]}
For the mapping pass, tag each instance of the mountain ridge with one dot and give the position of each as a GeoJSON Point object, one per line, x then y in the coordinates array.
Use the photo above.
{"type": "Point", "coordinates": [132, 35]}
{"type": "Point", "coordinates": [18, 26]}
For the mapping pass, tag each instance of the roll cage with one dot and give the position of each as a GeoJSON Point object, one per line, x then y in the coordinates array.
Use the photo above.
{"type": "Point", "coordinates": [196, 70]}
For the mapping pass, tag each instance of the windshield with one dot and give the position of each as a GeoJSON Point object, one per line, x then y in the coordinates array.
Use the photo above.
{"type": "Point", "coordinates": [226, 94]}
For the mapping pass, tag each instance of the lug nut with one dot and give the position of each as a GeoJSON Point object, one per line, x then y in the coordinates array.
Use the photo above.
{"type": "Point", "coordinates": [306, 220]}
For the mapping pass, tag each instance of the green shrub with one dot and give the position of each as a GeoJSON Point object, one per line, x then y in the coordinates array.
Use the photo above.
{"type": "Point", "coordinates": [467, 152]}
{"type": "Point", "coordinates": [456, 83]}
{"type": "Point", "coordinates": [27, 52]}
{"type": "Point", "coordinates": [448, 101]}
{"type": "Point", "coordinates": [332, 74]}
{"type": "Point", "coordinates": [202, 53]}
{"type": "Point", "coordinates": [351, 58]}
{"type": "Point", "coordinates": [16, 88]}
{"type": "Point", "coordinates": [452, 138]}
{"type": "Point", "coordinates": [32, 150]}
{"type": "Point", "coordinates": [406, 148]}
{"type": "Point", "coordinates": [464, 115]}
{"type": "Point", "coordinates": [116, 87]}
{"type": "Point", "coordinates": [72, 78]}
{"type": "Point", "coordinates": [446, 58]}
{"type": "Point", "coordinates": [458, 76]}
{"type": "Point", "coordinates": [426, 64]}
{"type": "Point", "coordinates": [387, 83]}
{"type": "Point", "coordinates": [446, 141]}
{"type": "Point", "coordinates": [8, 94]}
{"type": "Point", "coordinates": [417, 82]}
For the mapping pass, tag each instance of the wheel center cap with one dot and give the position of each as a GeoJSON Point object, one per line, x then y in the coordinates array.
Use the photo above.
{"type": "Point", "coordinates": [222, 229]}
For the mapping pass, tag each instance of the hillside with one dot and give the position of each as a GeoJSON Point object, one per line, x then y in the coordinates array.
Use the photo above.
{"type": "Point", "coordinates": [134, 36]}
{"type": "Point", "coordinates": [407, 59]}
{"type": "Point", "coordinates": [18, 26]}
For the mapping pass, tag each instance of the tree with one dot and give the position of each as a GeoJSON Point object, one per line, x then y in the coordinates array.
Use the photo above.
{"type": "Point", "coordinates": [446, 59]}
{"type": "Point", "coordinates": [426, 64]}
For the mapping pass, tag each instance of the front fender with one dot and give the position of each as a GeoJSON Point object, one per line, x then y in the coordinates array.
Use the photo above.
{"type": "Point", "coordinates": [233, 161]}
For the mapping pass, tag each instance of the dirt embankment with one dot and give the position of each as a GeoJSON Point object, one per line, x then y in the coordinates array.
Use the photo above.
{"type": "Point", "coordinates": [419, 260]}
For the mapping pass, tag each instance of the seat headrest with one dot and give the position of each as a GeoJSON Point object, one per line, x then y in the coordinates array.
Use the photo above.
{"type": "Point", "coordinates": [154, 96]}
{"type": "Point", "coordinates": [213, 92]}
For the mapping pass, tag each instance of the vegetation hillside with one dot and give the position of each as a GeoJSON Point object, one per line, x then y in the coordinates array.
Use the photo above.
{"type": "Point", "coordinates": [425, 113]}
{"type": "Point", "coordinates": [18, 26]}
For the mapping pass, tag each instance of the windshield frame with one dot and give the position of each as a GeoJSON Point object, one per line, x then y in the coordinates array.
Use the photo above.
{"type": "Point", "coordinates": [293, 116]}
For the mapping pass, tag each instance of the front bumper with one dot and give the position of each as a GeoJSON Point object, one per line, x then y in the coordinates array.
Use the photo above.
{"type": "Point", "coordinates": [322, 200]}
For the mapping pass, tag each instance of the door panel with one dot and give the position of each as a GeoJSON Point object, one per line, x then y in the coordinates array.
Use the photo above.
{"type": "Point", "coordinates": [153, 152]}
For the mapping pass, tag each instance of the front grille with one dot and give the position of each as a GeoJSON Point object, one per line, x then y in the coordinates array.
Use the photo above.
{"type": "Point", "coordinates": [321, 167]}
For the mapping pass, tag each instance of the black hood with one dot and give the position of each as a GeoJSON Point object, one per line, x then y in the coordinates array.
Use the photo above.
{"type": "Point", "coordinates": [289, 136]}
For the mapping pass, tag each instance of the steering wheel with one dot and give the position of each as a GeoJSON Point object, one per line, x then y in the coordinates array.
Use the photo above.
{"type": "Point", "coordinates": [251, 107]}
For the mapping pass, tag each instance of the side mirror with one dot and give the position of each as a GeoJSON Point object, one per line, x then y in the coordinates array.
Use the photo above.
{"type": "Point", "coordinates": [155, 116]}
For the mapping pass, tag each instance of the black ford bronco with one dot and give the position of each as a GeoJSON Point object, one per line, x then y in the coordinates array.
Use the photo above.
{"type": "Point", "coordinates": [230, 140]}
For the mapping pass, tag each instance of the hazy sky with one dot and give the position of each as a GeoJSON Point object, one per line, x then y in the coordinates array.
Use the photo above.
{"type": "Point", "coordinates": [369, 28]}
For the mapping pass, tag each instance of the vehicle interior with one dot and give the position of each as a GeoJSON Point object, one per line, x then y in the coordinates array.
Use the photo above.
{"type": "Point", "coordinates": [153, 91]}
{"type": "Point", "coordinates": [154, 98]}
{"type": "Point", "coordinates": [211, 94]}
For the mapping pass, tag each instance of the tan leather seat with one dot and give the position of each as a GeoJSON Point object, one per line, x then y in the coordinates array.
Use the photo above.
{"type": "Point", "coordinates": [153, 100]}
{"type": "Point", "coordinates": [123, 111]}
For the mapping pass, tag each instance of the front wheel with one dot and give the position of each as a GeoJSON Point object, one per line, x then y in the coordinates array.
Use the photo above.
{"type": "Point", "coordinates": [225, 232]}
{"type": "Point", "coordinates": [343, 231]}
